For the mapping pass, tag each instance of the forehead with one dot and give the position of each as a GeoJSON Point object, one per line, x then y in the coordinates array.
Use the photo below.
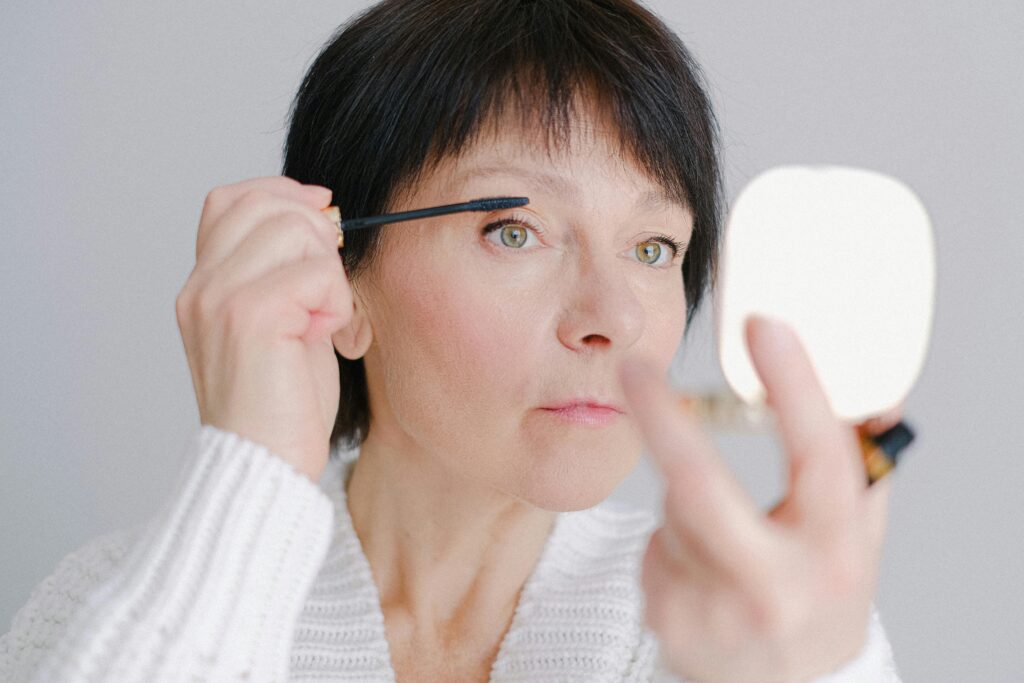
{"type": "Point", "coordinates": [510, 148]}
{"type": "Point", "coordinates": [650, 197]}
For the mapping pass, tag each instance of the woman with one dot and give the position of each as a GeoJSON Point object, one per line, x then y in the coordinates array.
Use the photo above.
{"type": "Point", "coordinates": [400, 472]}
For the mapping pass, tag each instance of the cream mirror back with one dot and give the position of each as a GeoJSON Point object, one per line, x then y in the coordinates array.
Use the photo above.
{"type": "Point", "coordinates": [847, 257]}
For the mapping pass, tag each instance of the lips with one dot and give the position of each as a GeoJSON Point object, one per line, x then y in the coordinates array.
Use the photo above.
{"type": "Point", "coordinates": [578, 404]}
{"type": "Point", "coordinates": [584, 412]}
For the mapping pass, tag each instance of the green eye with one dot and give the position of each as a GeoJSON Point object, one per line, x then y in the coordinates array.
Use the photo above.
{"type": "Point", "coordinates": [513, 232]}
{"type": "Point", "coordinates": [649, 252]}
{"type": "Point", "coordinates": [513, 235]}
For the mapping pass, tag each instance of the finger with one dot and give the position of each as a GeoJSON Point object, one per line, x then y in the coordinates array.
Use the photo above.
{"type": "Point", "coordinates": [876, 511]}
{"type": "Point", "coordinates": [221, 198]}
{"type": "Point", "coordinates": [704, 503]}
{"type": "Point", "coordinates": [826, 471]}
{"type": "Point", "coordinates": [302, 299]}
{"type": "Point", "coordinates": [667, 586]}
{"type": "Point", "coordinates": [877, 424]}
{"type": "Point", "coordinates": [253, 209]}
{"type": "Point", "coordinates": [278, 240]}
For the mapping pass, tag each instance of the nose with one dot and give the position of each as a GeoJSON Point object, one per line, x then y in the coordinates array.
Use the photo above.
{"type": "Point", "coordinates": [600, 309]}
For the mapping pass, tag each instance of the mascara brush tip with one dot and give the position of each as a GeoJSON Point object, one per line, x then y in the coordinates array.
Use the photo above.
{"type": "Point", "coordinates": [495, 203]}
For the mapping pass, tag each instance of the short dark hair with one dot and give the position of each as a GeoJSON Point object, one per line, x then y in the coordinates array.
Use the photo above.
{"type": "Point", "coordinates": [408, 83]}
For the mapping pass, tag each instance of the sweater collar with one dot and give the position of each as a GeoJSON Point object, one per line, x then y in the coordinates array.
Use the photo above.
{"type": "Point", "coordinates": [579, 614]}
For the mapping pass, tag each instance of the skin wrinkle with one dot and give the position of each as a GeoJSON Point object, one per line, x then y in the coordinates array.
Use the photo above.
{"type": "Point", "coordinates": [460, 477]}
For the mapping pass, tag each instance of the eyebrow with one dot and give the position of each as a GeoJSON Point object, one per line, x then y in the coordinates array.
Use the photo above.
{"type": "Point", "coordinates": [651, 200]}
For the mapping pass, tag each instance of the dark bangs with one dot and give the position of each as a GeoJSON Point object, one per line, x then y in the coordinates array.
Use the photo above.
{"type": "Point", "coordinates": [408, 83]}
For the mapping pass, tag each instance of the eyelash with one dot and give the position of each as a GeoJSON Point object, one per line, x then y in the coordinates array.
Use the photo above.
{"type": "Point", "coordinates": [676, 245]}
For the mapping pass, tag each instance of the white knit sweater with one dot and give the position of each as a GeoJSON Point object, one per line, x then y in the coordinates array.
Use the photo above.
{"type": "Point", "coordinates": [252, 572]}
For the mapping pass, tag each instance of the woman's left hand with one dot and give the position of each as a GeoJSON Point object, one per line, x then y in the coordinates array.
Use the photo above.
{"type": "Point", "coordinates": [735, 594]}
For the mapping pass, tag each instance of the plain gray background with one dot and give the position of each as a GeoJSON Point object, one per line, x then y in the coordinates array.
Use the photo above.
{"type": "Point", "coordinates": [118, 117]}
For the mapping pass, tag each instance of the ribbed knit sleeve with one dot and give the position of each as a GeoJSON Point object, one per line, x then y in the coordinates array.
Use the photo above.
{"type": "Point", "coordinates": [874, 663]}
{"type": "Point", "coordinates": [212, 588]}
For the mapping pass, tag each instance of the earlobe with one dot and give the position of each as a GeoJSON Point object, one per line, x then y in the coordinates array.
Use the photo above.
{"type": "Point", "coordinates": [353, 340]}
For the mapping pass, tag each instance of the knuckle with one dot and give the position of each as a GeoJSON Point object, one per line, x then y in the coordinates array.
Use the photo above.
{"type": "Point", "coordinates": [216, 198]}
{"type": "Point", "coordinates": [206, 304]}
{"type": "Point", "coordinates": [183, 314]}
{"type": "Point", "coordinates": [186, 303]}
{"type": "Point", "coordinates": [281, 181]}
{"type": "Point", "coordinates": [254, 198]}
{"type": "Point", "coordinates": [183, 306]}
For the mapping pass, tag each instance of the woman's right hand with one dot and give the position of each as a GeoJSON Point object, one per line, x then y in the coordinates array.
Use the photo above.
{"type": "Point", "coordinates": [257, 313]}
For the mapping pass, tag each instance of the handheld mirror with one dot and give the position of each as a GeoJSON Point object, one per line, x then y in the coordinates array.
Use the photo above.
{"type": "Point", "coordinates": [846, 256]}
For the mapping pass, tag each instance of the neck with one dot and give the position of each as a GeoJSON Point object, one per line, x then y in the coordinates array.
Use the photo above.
{"type": "Point", "coordinates": [448, 554]}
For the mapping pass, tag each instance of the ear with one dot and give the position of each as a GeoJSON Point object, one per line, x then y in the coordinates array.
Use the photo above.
{"type": "Point", "coordinates": [353, 340]}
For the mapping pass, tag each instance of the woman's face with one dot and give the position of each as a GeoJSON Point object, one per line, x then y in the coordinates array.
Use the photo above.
{"type": "Point", "coordinates": [475, 333]}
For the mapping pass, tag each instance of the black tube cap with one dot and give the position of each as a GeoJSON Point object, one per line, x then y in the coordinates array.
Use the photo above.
{"type": "Point", "coordinates": [894, 440]}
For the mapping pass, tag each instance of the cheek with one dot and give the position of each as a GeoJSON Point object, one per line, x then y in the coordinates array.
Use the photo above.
{"type": "Point", "coordinates": [668, 320]}
{"type": "Point", "coordinates": [460, 356]}
{"type": "Point", "coordinates": [480, 341]}
{"type": "Point", "coordinates": [467, 355]}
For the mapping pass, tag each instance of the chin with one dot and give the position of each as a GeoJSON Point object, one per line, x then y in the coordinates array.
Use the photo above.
{"type": "Point", "coordinates": [573, 477]}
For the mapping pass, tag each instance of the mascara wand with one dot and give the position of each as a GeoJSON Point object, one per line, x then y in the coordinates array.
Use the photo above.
{"type": "Point", "coordinates": [483, 204]}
